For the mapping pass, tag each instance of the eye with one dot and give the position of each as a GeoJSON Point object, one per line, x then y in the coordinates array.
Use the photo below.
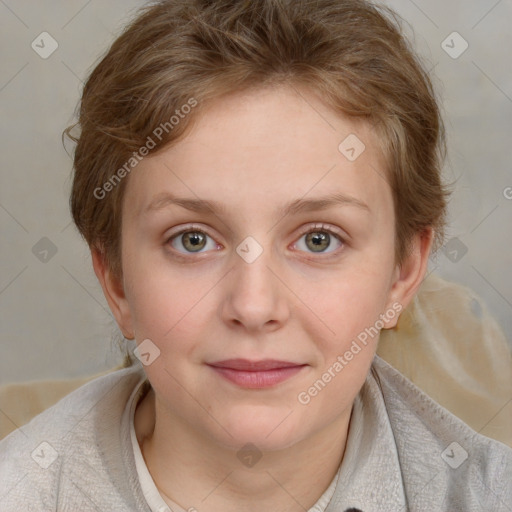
{"type": "Point", "coordinates": [193, 239]}
{"type": "Point", "coordinates": [318, 239]}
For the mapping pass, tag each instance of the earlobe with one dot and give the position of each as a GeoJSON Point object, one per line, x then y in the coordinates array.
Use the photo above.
{"type": "Point", "coordinates": [114, 293]}
{"type": "Point", "coordinates": [410, 274]}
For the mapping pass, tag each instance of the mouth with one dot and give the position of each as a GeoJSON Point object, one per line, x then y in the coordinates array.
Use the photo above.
{"type": "Point", "coordinates": [264, 373]}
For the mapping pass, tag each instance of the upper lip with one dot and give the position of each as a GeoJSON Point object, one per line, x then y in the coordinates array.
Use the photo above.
{"type": "Point", "coordinates": [247, 365]}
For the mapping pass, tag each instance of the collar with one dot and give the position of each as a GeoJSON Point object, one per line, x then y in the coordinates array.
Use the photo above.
{"type": "Point", "coordinates": [370, 475]}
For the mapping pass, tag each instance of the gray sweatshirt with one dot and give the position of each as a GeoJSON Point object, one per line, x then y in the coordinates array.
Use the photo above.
{"type": "Point", "coordinates": [404, 453]}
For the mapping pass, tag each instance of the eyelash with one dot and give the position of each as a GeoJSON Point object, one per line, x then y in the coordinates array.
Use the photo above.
{"type": "Point", "coordinates": [311, 229]}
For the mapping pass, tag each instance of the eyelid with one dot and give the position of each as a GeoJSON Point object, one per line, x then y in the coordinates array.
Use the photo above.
{"type": "Point", "coordinates": [321, 226]}
{"type": "Point", "coordinates": [186, 229]}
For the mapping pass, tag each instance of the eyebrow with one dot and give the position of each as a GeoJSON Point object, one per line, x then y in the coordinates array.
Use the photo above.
{"type": "Point", "coordinates": [165, 199]}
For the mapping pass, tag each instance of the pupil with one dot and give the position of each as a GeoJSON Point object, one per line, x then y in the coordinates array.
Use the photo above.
{"type": "Point", "coordinates": [320, 240]}
{"type": "Point", "coordinates": [195, 240]}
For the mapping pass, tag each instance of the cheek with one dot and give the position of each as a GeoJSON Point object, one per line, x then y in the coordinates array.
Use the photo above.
{"type": "Point", "coordinates": [158, 312]}
{"type": "Point", "coordinates": [158, 298]}
{"type": "Point", "coordinates": [352, 310]}
{"type": "Point", "coordinates": [352, 302]}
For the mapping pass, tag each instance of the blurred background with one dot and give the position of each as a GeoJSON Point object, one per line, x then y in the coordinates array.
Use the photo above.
{"type": "Point", "coordinates": [55, 322]}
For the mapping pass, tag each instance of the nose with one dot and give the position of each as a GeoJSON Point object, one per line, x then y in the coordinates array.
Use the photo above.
{"type": "Point", "coordinates": [255, 299]}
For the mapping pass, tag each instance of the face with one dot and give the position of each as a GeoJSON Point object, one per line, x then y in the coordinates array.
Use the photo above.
{"type": "Point", "coordinates": [245, 277]}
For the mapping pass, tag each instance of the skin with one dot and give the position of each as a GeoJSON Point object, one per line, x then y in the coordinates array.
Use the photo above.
{"type": "Point", "coordinates": [254, 152]}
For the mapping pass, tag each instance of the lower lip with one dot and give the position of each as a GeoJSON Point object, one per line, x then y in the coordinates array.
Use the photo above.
{"type": "Point", "coordinates": [258, 379]}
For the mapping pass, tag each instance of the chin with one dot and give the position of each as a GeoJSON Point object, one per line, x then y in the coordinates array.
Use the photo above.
{"type": "Point", "coordinates": [268, 432]}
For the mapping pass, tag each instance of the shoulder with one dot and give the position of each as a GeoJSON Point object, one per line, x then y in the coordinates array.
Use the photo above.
{"type": "Point", "coordinates": [444, 461]}
{"type": "Point", "coordinates": [63, 439]}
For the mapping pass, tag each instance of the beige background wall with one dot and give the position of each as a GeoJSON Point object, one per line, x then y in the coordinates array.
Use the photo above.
{"type": "Point", "coordinates": [54, 320]}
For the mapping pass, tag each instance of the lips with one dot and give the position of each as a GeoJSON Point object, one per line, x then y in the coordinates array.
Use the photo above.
{"type": "Point", "coordinates": [254, 366]}
{"type": "Point", "coordinates": [248, 374]}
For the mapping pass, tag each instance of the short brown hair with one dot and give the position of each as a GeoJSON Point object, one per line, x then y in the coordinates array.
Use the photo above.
{"type": "Point", "coordinates": [351, 52]}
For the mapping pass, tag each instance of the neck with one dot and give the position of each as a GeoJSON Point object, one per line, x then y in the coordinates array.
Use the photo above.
{"type": "Point", "coordinates": [196, 473]}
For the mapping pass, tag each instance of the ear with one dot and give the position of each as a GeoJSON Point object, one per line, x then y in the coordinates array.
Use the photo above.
{"type": "Point", "coordinates": [410, 274]}
{"type": "Point", "coordinates": [114, 293]}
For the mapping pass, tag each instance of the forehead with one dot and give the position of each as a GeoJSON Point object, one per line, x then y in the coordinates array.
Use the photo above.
{"type": "Point", "coordinates": [268, 145]}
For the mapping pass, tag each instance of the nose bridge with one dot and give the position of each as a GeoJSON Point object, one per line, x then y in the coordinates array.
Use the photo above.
{"type": "Point", "coordinates": [256, 297]}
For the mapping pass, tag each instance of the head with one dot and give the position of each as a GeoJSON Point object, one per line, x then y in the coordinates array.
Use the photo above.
{"type": "Point", "coordinates": [204, 131]}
